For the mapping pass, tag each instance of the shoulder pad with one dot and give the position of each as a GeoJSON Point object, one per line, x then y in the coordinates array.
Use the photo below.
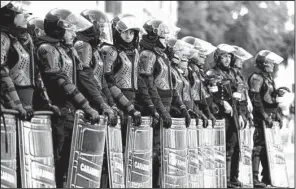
{"type": "Point", "coordinates": [146, 62]}
{"type": "Point", "coordinates": [5, 44]}
{"type": "Point", "coordinates": [109, 56]}
{"type": "Point", "coordinates": [48, 56]}
{"type": "Point", "coordinates": [255, 82]}
{"type": "Point", "coordinates": [84, 51]}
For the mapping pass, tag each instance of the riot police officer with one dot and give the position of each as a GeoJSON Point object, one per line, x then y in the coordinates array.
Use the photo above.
{"type": "Point", "coordinates": [227, 106]}
{"type": "Point", "coordinates": [58, 71]}
{"type": "Point", "coordinates": [263, 95]}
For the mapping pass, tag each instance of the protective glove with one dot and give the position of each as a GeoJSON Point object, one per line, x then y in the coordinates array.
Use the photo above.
{"type": "Point", "coordinates": [118, 111]}
{"type": "Point", "coordinates": [228, 108]}
{"type": "Point", "coordinates": [187, 117]}
{"type": "Point", "coordinates": [136, 115]}
{"type": "Point", "coordinates": [193, 114]}
{"type": "Point", "coordinates": [53, 108]}
{"type": "Point", "coordinates": [204, 119]}
{"type": "Point", "coordinates": [212, 117]}
{"type": "Point", "coordinates": [92, 114]}
{"type": "Point", "coordinates": [155, 119]}
{"type": "Point", "coordinates": [21, 110]}
{"type": "Point", "coordinates": [167, 120]}
{"type": "Point", "coordinates": [268, 121]}
{"type": "Point", "coordinates": [112, 116]}
{"type": "Point", "coordinates": [30, 112]}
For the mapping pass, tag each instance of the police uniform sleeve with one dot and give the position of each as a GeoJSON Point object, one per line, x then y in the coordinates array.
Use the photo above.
{"type": "Point", "coordinates": [255, 83]}
{"type": "Point", "coordinates": [144, 94]}
{"type": "Point", "coordinates": [107, 94]}
{"type": "Point", "coordinates": [7, 85]}
{"type": "Point", "coordinates": [46, 54]}
{"type": "Point", "coordinates": [146, 67]}
{"type": "Point", "coordinates": [109, 57]}
{"type": "Point", "coordinates": [85, 78]}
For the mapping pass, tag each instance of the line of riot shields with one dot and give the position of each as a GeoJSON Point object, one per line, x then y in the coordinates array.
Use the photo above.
{"type": "Point", "coordinates": [192, 157]}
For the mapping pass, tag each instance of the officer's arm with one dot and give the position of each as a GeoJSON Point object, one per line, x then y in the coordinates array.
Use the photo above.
{"type": "Point", "coordinates": [7, 84]}
{"type": "Point", "coordinates": [216, 97]}
{"type": "Point", "coordinates": [255, 83]}
{"type": "Point", "coordinates": [109, 56]}
{"type": "Point", "coordinates": [146, 66]}
{"type": "Point", "coordinates": [85, 78]}
{"type": "Point", "coordinates": [107, 94]}
{"type": "Point", "coordinates": [52, 73]}
{"type": "Point", "coordinates": [145, 96]}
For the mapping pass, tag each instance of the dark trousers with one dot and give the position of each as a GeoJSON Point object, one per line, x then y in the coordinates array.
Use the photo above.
{"type": "Point", "coordinates": [62, 129]}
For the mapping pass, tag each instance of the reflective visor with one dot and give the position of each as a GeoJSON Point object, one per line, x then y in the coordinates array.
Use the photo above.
{"type": "Point", "coordinates": [205, 46]}
{"type": "Point", "coordinates": [16, 6]}
{"type": "Point", "coordinates": [75, 22]}
{"type": "Point", "coordinates": [105, 31]}
{"type": "Point", "coordinates": [129, 22]}
{"type": "Point", "coordinates": [242, 53]}
{"type": "Point", "coordinates": [226, 48]}
{"type": "Point", "coordinates": [274, 58]}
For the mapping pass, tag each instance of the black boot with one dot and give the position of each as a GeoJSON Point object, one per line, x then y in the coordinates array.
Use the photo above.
{"type": "Point", "coordinates": [228, 169]}
{"type": "Point", "coordinates": [255, 164]}
{"type": "Point", "coordinates": [265, 168]}
{"type": "Point", "coordinates": [235, 168]}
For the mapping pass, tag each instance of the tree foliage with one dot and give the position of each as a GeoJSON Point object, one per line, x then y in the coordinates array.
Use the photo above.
{"type": "Point", "coordinates": [259, 25]}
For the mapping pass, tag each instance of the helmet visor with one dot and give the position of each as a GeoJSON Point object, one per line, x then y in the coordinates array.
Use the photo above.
{"type": "Point", "coordinates": [242, 53]}
{"type": "Point", "coordinates": [16, 6]}
{"type": "Point", "coordinates": [75, 22]}
{"type": "Point", "coordinates": [207, 47]}
{"type": "Point", "coordinates": [105, 32]}
{"type": "Point", "coordinates": [276, 59]}
{"type": "Point", "coordinates": [129, 22]}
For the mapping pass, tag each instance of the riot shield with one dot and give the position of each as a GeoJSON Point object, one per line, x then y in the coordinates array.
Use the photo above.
{"type": "Point", "coordinates": [220, 154]}
{"type": "Point", "coordinates": [87, 150]}
{"type": "Point", "coordinates": [174, 164]}
{"type": "Point", "coordinates": [8, 148]}
{"type": "Point", "coordinates": [245, 164]}
{"type": "Point", "coordinates": [275, 156]}
{"type": "Point", "coordinates": [115, 156]}
{"type": "Point", "coordinates": [200, 156]}
{"type": "Point", "coordinates": [195, 172]}
{"type": "Point", "coordinates": [138, 155]}
{"type": "Point", "coordinates": [209, 156]}
{"type": "Point", "coordinates": [36, 151]}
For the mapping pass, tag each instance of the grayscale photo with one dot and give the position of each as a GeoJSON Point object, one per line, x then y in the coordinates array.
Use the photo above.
{"type": "Point", "coordinates": [147, 94]}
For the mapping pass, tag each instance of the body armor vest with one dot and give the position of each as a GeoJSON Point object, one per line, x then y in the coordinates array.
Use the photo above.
{"type": "Point", "coordinates": [268, 91]}
{"type": "Point", "coordinates": [244, 92]}
{"type": "Point", "coordinates": [178, 85]}
{"type": "Point", "coordinates": [22, 72]}
{"type": "Point", "coordinates": [186, 89]}
{"type": "Point", "coordinates": [98, 68]}
{"type": "Point", "coordinates": [126, 77]}
{"type": "Point", "coordinates": [198, 90]}
{"type": "Point", "coordinates": [163, 79]}
{"type": "Point", "coordinates": [67, 64]}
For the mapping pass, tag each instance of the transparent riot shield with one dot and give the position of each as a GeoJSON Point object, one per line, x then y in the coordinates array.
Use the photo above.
{"type": "Point", "coordinates": [174, 164]}
{"type": "Point", "coordinates": [245, 164]}
{"type": "Point", "coordinates": [195, 162]}
{"type": "Point", "coordinates": [115, 156]}
{"type": "Point", "coordinates": [8, 148]}
{"type": "Point", "coordinates": [275, 156]}
{"type": "Point", "coordinates": [87, 150]}
{"type": "Point", "coordinates": [209, 156]}
{"type": "Point", "coordinates": [200, 155]}
{"type": "Point", "coordinates": [220, 154]}
{"type": "Point", "coordinates": [36, 151]}
{"type": "Point", "coordinates": [138, 155]}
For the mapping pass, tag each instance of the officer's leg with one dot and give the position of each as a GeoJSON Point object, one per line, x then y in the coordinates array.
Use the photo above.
{"type": "Point", "coordinates": [235, 165]}
{"type": "Point", "coordinates": [257, 149]}
{"type": "Point", "coordinates": [156, 168]}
